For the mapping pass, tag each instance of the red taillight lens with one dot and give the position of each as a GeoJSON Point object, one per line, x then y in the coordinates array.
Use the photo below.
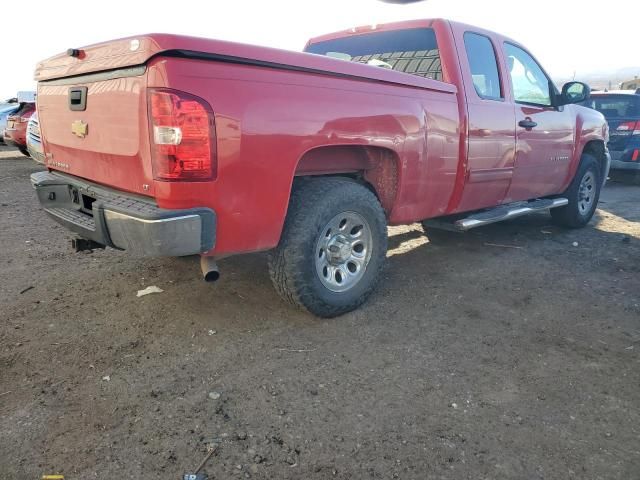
{"type": "Point", "coordinates": [633, 127]}
{"type": "Point", "coordinates": [182, 136]}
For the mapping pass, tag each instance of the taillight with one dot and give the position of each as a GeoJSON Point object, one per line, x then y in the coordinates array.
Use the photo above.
{"type": "Point", "coordinates": [633, 127]}
{"type": "Point", "coordinates": [183, 141]}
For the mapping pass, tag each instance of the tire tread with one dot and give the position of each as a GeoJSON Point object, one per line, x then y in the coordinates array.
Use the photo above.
{"type": "Point", "coordinates": [308, 197]}
{"type": "Point", "coordinates": [568, 216]}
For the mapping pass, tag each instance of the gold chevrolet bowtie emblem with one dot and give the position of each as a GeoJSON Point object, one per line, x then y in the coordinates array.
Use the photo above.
{"type": "Point", "coordinates": [79, 128]}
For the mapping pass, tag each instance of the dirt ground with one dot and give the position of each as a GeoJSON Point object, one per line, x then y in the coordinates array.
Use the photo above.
{"type": "Point", "coordinates": [506, 352]}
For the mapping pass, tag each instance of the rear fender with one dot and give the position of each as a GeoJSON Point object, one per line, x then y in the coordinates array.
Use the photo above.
{"type": "Point", "coordinates": [377, 166]}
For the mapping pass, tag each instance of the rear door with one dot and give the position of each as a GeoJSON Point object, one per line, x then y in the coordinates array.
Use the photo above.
{"type": "Point", "coordinates": [491, 124]}
{"type": "Point", "coordinates": [544, 134]}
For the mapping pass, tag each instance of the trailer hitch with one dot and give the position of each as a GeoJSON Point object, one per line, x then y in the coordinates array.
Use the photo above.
{"type": "Point", "coordinates": [82, 244]}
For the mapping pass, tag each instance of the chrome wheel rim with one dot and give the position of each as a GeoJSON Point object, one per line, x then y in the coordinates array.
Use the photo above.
{"type": "Point", "coordinates": [586, 193]}
{"type": "Point", "coordinates": [343, 251]}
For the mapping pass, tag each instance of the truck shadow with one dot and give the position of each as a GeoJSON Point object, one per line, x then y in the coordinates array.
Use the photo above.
{"type": "Point", "coordinates": [532, 236]}
{"type": "Point", "coordinates": [621, 199]}
{"type": "Point", "coordinates": [417, 260]}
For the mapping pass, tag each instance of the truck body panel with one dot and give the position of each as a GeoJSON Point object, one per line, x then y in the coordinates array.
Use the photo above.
{"type": "Point", "coordinates": [429, 148]}
{"type": "Point", "coordinates": [260, 142]}
{"type": "Point", "coordinates": [115, 149]}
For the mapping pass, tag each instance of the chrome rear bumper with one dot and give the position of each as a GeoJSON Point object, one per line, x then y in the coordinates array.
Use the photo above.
{"type": "Point", "coordinates": [124, 221]}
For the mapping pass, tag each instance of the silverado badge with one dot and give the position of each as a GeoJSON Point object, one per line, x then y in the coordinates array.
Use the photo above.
{"type": "Point", "coordinates": [79, 128]}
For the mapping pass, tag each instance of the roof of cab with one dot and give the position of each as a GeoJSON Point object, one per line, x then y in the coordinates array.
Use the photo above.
{"type": "Point", "coordinates": [407, 24]}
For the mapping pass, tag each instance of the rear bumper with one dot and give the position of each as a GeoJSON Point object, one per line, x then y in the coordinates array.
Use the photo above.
{"type": "Point", "coordinates": [620, 165]}
{"type": "Point", "coordinates": [123, 221]}
{"type": "Point", "coordinates": [623, 159]}
{"type": "Point", "coordinates": [11, 142]}
{"type": "Point", "coordinates": [15, 137]}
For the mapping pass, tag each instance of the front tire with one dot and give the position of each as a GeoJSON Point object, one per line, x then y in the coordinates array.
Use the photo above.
{"type": "Point", "coordinates": [333, 246]}
{"type": "Point", "coordinates": [583, 195]}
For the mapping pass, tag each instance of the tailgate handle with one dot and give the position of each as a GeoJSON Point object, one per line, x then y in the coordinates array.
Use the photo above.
{"type": "Point", "coordinates": [78, 98]}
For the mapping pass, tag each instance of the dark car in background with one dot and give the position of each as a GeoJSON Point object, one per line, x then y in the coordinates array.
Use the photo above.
{"type": "Point", "coordinates": [15, 133]}
{"type": "Point", "coordinates": [621, 108]}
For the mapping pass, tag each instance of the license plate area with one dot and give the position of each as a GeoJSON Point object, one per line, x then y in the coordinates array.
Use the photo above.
{"type": "Point", "coordinates": [83, 202]}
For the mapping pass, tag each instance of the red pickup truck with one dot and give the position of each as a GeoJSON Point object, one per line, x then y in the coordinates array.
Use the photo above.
{"type": "Point", "coordinates": [172, 145]}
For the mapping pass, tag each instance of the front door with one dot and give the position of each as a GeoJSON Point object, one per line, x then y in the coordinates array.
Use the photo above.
{"type": "Point", "coordinates": [544, 133]}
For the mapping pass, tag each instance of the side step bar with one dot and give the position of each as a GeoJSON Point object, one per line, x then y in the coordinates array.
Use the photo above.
{"type": "Point", "coordinates": [497, 214]}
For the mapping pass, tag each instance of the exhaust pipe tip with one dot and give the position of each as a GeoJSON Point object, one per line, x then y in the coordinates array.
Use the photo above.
{"type": "Point", "coordinates": [211, 276]}
{"type": "Point", "coordinates": [210, 271]}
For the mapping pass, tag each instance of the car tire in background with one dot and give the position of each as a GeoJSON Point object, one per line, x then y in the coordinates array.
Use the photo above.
{"type": "Point", "coordinates": [24, 151]}
{"type": "Point", "coordinates": [333, 246]}
{"type": "Point", "coordinates": [583, 195]}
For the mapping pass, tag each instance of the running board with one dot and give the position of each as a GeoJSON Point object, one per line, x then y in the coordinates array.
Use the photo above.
{"type": "Point", "coordinates": [497, 214]}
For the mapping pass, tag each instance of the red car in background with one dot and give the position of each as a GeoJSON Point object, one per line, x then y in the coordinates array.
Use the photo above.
{"type": "Point", "coordinates": [16, 131]}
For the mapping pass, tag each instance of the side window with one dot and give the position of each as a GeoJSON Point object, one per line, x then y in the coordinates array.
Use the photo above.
{"type": "Point", "coordinates": [530, 83]}
{"type": "Point", "coordinates": [483, 65]}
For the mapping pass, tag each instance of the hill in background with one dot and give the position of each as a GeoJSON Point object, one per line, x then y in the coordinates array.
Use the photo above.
{"type": "Point", "coordinates": [609, 79]}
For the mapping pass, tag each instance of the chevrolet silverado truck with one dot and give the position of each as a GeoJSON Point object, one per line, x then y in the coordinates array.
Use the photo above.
{"type": "Point", "coordinates": [168, 145]}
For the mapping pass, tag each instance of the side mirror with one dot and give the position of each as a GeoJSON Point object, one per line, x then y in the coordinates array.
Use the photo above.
{"type": "Point", "coordinates": [574, 92]}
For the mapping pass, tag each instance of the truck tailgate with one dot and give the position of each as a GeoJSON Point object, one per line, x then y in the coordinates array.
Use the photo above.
{"type": "Point", "coordinates": [96, 128]}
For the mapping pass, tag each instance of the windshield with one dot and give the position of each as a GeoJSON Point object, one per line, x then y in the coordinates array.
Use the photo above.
{"type": "Point", "coordinates": [413, 51]}
{"type": "Point", "coordinates": [615, 106]}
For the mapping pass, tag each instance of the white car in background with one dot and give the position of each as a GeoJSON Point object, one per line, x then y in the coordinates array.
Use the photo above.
{"type": "Point", "coordinates": [34, 142]}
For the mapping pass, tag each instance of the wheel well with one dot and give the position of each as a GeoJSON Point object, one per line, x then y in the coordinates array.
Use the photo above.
{"type": "Point", "coordinates": [376, 167]}
{"type": "Point", "coordinates": [597, 149]}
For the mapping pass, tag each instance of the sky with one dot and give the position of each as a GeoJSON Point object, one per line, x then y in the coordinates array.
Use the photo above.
{"type": "Point", "coordinates": [566, 36]}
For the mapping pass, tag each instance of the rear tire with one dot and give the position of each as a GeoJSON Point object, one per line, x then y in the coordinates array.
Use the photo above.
{"type": "Point", "coordinates": [333, 247]}
{"type": "Point", "coordinates": [583, 195]}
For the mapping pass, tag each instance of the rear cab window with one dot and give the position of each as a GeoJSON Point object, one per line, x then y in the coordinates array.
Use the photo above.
{"type": "Point", "coordinates": [414, 51]}
{"type": "Point", "coordinates": [615, 106]}
{"type": "Point", "coordinates": [483, 65]}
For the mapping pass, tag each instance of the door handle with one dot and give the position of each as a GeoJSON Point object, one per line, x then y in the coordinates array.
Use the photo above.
{"type": "Point", "coordinates": [78, 99]}
{"type": "Point", "coordinates": [527, 123]}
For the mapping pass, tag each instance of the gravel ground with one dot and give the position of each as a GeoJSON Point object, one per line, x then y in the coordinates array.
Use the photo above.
{"type": "Point", "coordinates": [506, 352]}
